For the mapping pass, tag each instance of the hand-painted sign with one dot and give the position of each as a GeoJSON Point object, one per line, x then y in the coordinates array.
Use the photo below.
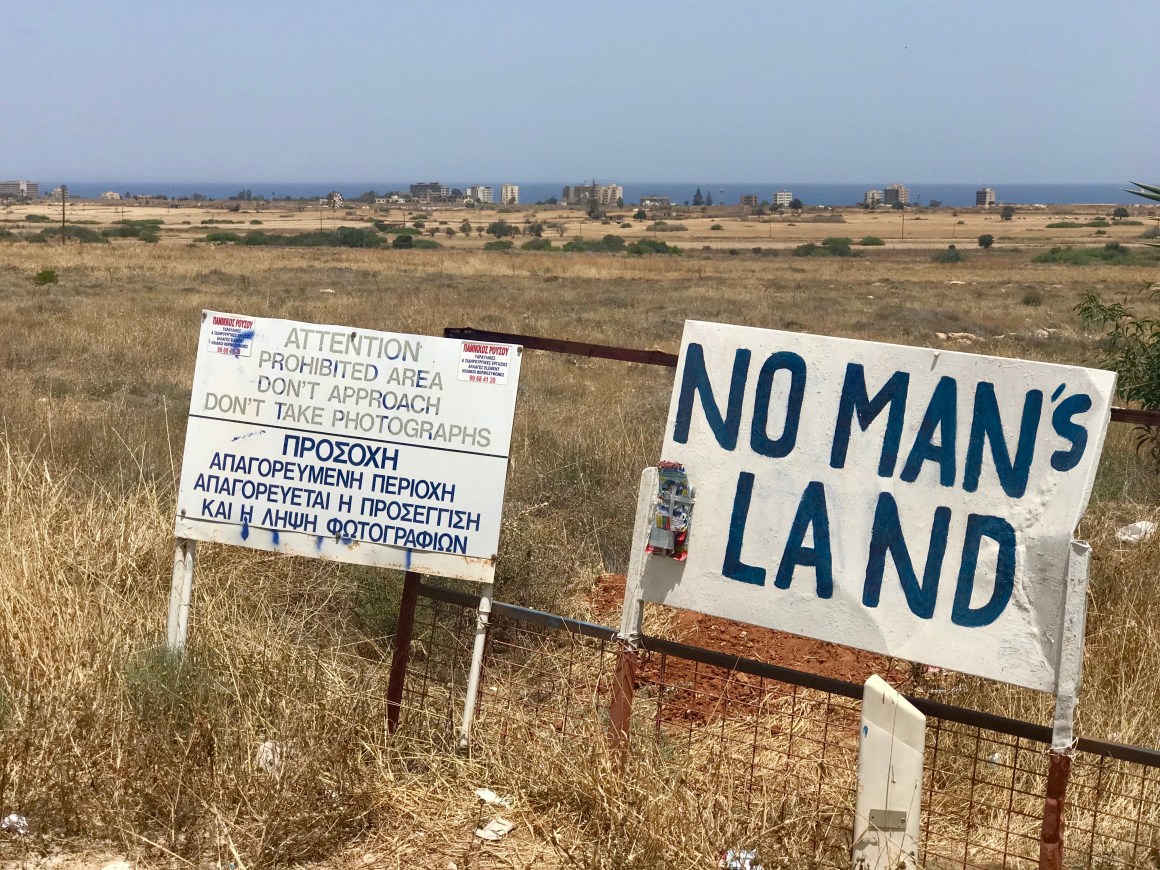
{"type": "Point", "coordinates": [914, 502]}
{"type": "Point", "coordinates": [359, 446]}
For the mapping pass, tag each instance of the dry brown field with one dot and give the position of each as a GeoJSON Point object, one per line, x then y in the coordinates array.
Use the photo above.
{"type": "Point", "coordinates": [105, 744]}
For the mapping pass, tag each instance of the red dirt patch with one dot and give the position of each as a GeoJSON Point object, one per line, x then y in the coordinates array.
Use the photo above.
{"type": "Point", "coordinates": [760, 644]}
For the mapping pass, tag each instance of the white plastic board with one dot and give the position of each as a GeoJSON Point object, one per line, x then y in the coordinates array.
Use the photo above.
{"type": "Point", "coordinates": [915, 502]}
{"type": "Point", "coordinates": [889, 802]}
{"type": "Point", "coordinates": [368, 447]}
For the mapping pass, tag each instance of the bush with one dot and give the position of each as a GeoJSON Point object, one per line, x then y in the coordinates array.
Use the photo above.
{"type": "Point", "coordinates": [403, 241]}
{"type": "Point", "coordinates": [222, 236]}
{"type": "Point", "coordinates": [45, 276]}
{"type": "Point", "coordinates": [1064, 225]}
{"type": "Point", "coordinates": [665, 227]}
{"type": "Point", "coordinates": [986, 240]}
{"type": "Point", "coordinates": [1151, 233]}
{"type": "Point", "coordinates": [38, 218]}
{"type": "Point", "coordinates": [84, 235]}
{"type": "Point", "coordinates": [537, 245]}
{"type": "Point", "coordinates": [501, 229]}
{"type": "Point", "coordinates": [950, 255]}
{"type": "Point", "coordinates": [650, 246]}
{"type": "Point", "coordinates": [608, 244]}
{"type": "Point", "coordinates": [1033, 298]}
{"type": "Point", "coordinates": [255, 221]}
{"type": "Point", "coordinates": [1112, 253]}
{"type": "Point", "coordinates": [871, 242]}
{"type": "Point", "coordinates": [809, 249]}
{"type": "Point", "coordinates": [425, 244]}
{"type": "Point", "coordinates": [716, 227]}
{"type": "Point", "coordinates": [626, 226]}
{"type": "Point", "coordinates": [499, 245]}
{"type": "Point", "coordinates": [640, 215]}
{"type": "Point", "coordinates": [838, 246]}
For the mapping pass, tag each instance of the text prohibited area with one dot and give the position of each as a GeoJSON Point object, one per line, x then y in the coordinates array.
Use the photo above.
{"type": "Point", "coordinates": [358, 446]}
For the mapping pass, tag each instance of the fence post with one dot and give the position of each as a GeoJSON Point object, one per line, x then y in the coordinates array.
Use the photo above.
{"type": "Point", "coordinates": [180, 594]}
{"type": "Point", "coordinates": [482, 623]}
{"type": "Point", "coordinates": [401, 654]}
{"type": "Point", "coordinates": [631, 617]}
{"type": "Point", "coordinates": [1067, 685]}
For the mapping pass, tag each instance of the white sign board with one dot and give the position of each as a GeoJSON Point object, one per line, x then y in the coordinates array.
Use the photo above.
{"type": "Point", "coordinates": [914, 502]}
{"type": "Point", "coordinates": [360, 446]}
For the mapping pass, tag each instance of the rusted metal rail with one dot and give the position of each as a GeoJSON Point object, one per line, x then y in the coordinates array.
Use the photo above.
{"type": "Point", "coordinates": [1135, 416]}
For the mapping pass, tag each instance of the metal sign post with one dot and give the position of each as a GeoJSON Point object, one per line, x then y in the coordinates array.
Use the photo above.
{"type": "Point", "coordinates": [481, 625]}
{"type": "Point", "coordinates": [1066, 698]}
{"type": "Point", "coordinates": [180, 593]}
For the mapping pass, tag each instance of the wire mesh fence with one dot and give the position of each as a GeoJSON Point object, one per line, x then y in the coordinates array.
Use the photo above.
{"type": "Point", "coordinates": [779, 747]}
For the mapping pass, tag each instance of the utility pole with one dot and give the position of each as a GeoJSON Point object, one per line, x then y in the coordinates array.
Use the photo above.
{"type": "Point", "coordinates": [63, 196]}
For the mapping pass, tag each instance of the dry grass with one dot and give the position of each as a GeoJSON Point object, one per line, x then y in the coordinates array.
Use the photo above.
{"type": "Point", "coordinates": [103, 736]}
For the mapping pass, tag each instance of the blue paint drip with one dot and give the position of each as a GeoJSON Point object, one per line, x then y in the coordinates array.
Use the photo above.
{"type": "Point", "coordinates": [346, 542]}
{"type": "Point", "coordinates": [275, 535]}
{"type": "Point", "coordinates": [240, 339]}
{"type": "Point", "coordinates": [407, 562]}
{"type": "Point", "coordinates": [865, 730]}
{"type": "Point", "coordinates": [245, 530]}
{"type": "Point", "coordinates": [318, 542]}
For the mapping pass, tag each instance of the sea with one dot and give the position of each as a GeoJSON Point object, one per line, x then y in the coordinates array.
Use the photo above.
{"type": "Point", "coordinates": [728, 193]}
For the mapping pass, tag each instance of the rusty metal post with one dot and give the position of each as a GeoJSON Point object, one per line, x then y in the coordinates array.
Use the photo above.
{"type": "Point", "coordinates": [1051, 834]}
{"type": "Point", "coordinates": [401, 654]}
{"type": "Point", "coordinates": [1067, 682]}
{"type": "Point", "coordinates": [631, 620]}
{"type": "Point", "coordinates": [623, 687]}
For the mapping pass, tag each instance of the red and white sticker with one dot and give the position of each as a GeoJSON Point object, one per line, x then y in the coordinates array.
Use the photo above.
{"type": "Point", "coordinates": [482, 363]}
{"type": "Point", "coordinates": [231, 335]}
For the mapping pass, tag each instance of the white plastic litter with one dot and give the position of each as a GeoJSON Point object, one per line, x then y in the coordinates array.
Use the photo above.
{"type": "Point", "coordinates": [15, 823]}
{"type": "Point", "coordinates": [1136, 532]}
{"type": "Point", "coordinates": [494, 830]}
{"type": "Point", "coordinates": [490, 797]}
{"type": "Point", "coordinates": [739, 859]}
{"type": "Point", "coordinates": [270, 757]}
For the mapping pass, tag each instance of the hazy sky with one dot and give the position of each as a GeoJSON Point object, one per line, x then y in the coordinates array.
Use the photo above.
{"type": "Point", "coordinates": [1062, 91]}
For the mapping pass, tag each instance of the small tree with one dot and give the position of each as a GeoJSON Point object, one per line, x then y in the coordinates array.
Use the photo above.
{"type": "Point", "coordinates": [1007, 213]}
{"type": "Point", "coordinates": [1119, 212]}
{"type": "Point", "coordinates": [465, 227]}
{"type": "Point", "coordinates": [698, 198]}
{"type": "Point", "coordinates": [640, 215]}
{"type": "Point", "coordinates": [403, 241]}
{"type": "Point", "coordinates": [986, 240]}
{"type": "Point", "coordinates": [796, 204]}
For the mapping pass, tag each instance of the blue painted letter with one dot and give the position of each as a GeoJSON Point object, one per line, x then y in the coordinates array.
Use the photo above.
{"type": "Point", "coordinates": [734, 568]}
{"type": "Point", "coordinates": [1000, 531]}
{"type": "Point", "coordinates": [856, 401]}
{"type": "Point", "coordinates": [759, 438]}
{"type": "Point", "coordinates": [986, 425]}
{"type": "Point", "coordinates": [811, 512]}
{"type": "Point", "coordinates": [695, 380]}
{"type": "Point", "coordinates": [887, 538]}
{"type": "Point", "coordinates": [941, 414]}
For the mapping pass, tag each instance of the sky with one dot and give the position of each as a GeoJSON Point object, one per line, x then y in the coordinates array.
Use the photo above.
{"type": "Point", "coordinates": [297, 90]}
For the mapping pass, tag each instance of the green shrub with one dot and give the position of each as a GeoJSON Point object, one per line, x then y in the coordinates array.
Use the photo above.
{"type": "Point", "coordinates": [665, 227]}
{"type": "Point", "coordinates": [871, 242]}
{"type": "Point", "coordinates": [809, 249]}
{"type": "Point", "coordinates": [838, 246]}
{"type": "Point", "coordinates": [255, 221]}
{"type": "Point", "coordinates": [950, 255]}
{"type": "Point", "coordinates": [425, 244]}
{"type": "Point", "coordinates": [651, 246]}
{"type": "Point", "coordinates": [1151, 233]}
{"type": "Point", "coordinates": [716, 227]}
{"type": "Point", "coordinates": [222, 236]}
{"type": "Point", "coordinates": [626, 226]}
{"type": "Point", "coordinates": [1064, 225]}
{"type": "Point", "coordinates": [986, 240]}
{"type": "Point", "coordinates": [403, 241]}
{"type": "Point", "coordinates": [537, 244]}
{"type": "Point", "coordinates": [1111, 253]}
{"type": "Point", "coordinates": [45, 276]}
{"type": "Point", "coordinates": [1033, 298]}
{"type": "Point", "coordinates": [499, 245]}
{"type": "Point", "coordinates": [38, 218]}
{"type": "Point", "coordinates": [84, 235]}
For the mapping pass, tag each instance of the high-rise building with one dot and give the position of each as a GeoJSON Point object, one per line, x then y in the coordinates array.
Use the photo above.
{"type": "Point", "coordinates": [602, 194]}
{"type": "Point", "coordinates": [430, 191]}
{"type": "Point", "coordinates": [896, 194]}
{"type": "Point", "coordinates": [509, 194]}
{"type": "Point", "coordinates": [23, 189]}
{"type": "Point", "coordinates": [783, 198]}
{"type": "Point", "coordinates": [985, 197]}
{"type": "Point", "coordinates": [749, 199]}
{"type": "Point", "coordinates": [479, 193]}
{"type": "Point", "coordinates": [872, 199]}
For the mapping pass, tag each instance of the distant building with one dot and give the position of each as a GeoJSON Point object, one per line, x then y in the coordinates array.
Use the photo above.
{"type": "Point", "coordinates": [110, 194]}
{"type": "Point", "coordinates": [602, 194]}
{"type": "Point", "coordinates": [895, 194]}
{"type": "Point", "coordinates": [656, 200]}
{"type": "Point", "coordinates": [509, 194]}
{"type": "Point", "coordinates": [24, 189]}
{"type": "Point", "coordinates": [872, 199]}
{"type": "Point", "coordinates": [430, 191]}
{"type": "Point", "coordinates": [783, 198]}
{"type": "Point", "coordinates": [985, 197]}
{"type": "Point", "coordinates": [749, 199]}
{"type": "Point", "coordinates": [479, 193]}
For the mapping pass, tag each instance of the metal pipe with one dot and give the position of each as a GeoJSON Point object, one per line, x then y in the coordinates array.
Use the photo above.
{"type": "Point", "coordinates": [401, 654]}
{"type": "Point", "coordinates": [481, 625]}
